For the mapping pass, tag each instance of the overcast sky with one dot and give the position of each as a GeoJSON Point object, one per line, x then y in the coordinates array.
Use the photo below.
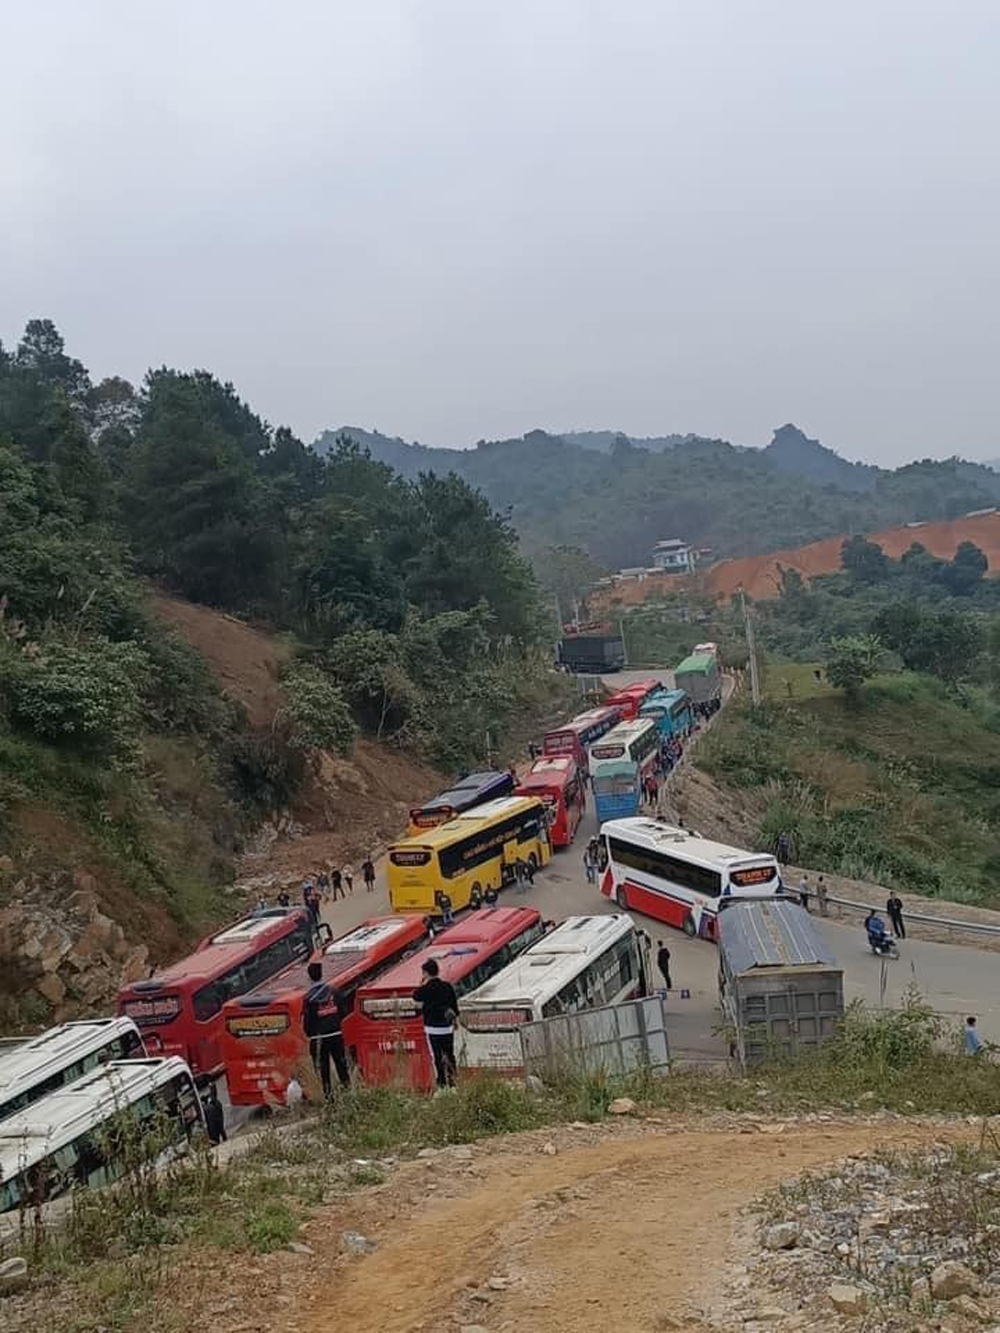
{"type": "Point", "coordinates": [454, 219]}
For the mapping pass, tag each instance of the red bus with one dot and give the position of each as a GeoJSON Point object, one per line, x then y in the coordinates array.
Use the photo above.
{"type": "Point", "coordinates": [385, 1028]}
{"type": "Point", "coordinates": [472, 790]}
{"type": "Point", "coordinates": [577, 736]}
{"type": "Point", "coordinates": [556, 781]}
{"type": "Point", "coordinates": [179, 1010]}
{"type": "Point", "coordinates": [263, 1041]}
{"type": "Point", "coordinates": [630, 698]}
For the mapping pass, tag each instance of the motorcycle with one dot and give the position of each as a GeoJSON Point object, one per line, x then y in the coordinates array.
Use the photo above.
{"type": "Point", "coordinates": [883, 945]}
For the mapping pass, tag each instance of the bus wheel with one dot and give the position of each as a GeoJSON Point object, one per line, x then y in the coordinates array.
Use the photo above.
{"type": "Point", "coordinates": [620, 898]}
{"type": "Point", "coordinates": [688, 927]}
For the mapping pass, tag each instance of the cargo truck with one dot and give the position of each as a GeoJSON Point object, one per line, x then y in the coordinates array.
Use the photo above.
{"type": "Point", "coordinates": [780, 987]}
{"type": "Point", "coordinates": [699, 676]}
{"type": "Point", "coordinates": [592, 653]}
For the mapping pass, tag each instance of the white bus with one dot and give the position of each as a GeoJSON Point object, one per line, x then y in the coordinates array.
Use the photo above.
{"type": "Point", "coordinates": [33, 1068]}
{"type": "Point", "coordinates": [619, 764]}
{"type": "Point", "coordinates": [672, 875]}
{"type": "Point", "coordinates": [72, 1137]}
{"type": "Point", "coordinates": [586, 962]}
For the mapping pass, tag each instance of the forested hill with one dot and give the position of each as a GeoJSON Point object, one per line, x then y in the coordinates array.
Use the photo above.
{"type": "Point", "coordinates": [614, 497]}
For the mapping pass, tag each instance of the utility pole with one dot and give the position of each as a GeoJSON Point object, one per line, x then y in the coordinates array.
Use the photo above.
{"type": "Point", "coordinates": [751, 649]}
{"type": "Point", "coordinates": [621, 631]}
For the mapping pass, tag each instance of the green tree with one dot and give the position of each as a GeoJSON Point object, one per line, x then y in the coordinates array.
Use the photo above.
{"type": "Point", "coordinates": [851, 661]}
{"type": "Point", "coordinates": [568, 572]}
{"type": "Point", "coordinates": [865, 561]}
{"type": "Point", "coordinates": [966, 570]}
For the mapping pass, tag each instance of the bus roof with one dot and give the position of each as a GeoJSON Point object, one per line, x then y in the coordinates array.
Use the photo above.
{"type": "Point", "coordinates": [463, 791]}
{"type": "Point", "coordinates": [348, 953]}
{"type": "Point", "coordinates": [544, 968]}
{"type": "Point", "coordinates": [459, 826]}
{"type": "Point", "coordinates": [697, 664]}
{"type": "Point", "coordinates": [654, 833]}
{"type": "Point", "coordinates": [62, 1115]}
{"type": "Point", "coordinates": [636, 687]}
{"type": "Point", "coordinates": [553, 770]}
{"type": "Point", "coordinates": [459, 948]}
{"type": "Point", "coordinates": [30, 1060]}
{"type": "Point", "coordinates": [623, 735]}
{"type": "Point", "coordinates": [228, 947]}
{"type": "Point", "coordinates": [583, 721]}
{"type": "Point", "coordinates": [771, 934]}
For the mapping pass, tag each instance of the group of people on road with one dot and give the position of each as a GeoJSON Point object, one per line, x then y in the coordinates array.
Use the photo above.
{"type": "Point", "coordinates": [326, 886]}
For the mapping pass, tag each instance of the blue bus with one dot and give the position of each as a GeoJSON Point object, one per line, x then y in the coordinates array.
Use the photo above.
{"type": "Point", "coordinates": [672, 712]}
{"type": "Point", "coordinates": [619, 763]}
{"type": "Point", "coordinates": [474, 789]}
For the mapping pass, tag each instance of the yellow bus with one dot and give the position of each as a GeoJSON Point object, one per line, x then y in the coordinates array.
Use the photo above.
{"type": "Point", "coordinates": [469, 854]}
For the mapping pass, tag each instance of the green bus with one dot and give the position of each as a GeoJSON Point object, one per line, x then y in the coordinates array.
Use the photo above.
{"type": "Point", "coordinates": [699, 676]}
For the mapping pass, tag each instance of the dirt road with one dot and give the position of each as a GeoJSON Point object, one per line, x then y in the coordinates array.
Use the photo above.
{"type": "Point", "coordinates": [626, 1232]}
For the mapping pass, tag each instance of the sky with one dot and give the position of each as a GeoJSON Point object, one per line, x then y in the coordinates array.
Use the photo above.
{"type": "Point", "coordinates": [462, 219]}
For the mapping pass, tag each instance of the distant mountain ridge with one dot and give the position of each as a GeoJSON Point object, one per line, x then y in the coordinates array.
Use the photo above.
{"type": "Point", "coordinates": [614, 497]}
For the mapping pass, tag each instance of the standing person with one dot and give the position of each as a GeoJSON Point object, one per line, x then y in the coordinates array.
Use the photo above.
{"type": "Point", "coordinates": [663, 963]}
{"type": "Point", "coordinates": [491, 897]}
{"type": "Point", "coordinates": [532, 751]}
{"type": "Point", "coordinates": [260, 906]}
{"type": "Point", "coordinates": [529, 871]}
{"type": "Point", "coordinates": [804, 892]}
{"type": "Point", "coordinates": [368, 873]}
{"type": "Point", "coordinates": [821, 895]}
{"type": "Point", "coordinates": [521, 874]}
{"type": "Point", "coordinates": [336, 885]}
{"type": "Point", "coordinates": [283, 899]}
{"type": "Point", "coordinates": [895, 909]}
{"type": "Point", "coordinates": [313, 903]}
{"type": "Point", "coordinates": [590, 869]}
{"type": "Point", "coordinates": [783, 848]}
{"type": "Point", "coordinates": [215, 1117]}
{"type": "Point", "coordinates": [323, 885]}
{"type": "Point", "coordinates": [439, 1008]}
{"type": "Point", "coordinates": [321, 1013]}
{"type": "Point", "coordinates": [444, 902]}
{"type": "Point", "coordinates": [349, 878]}
{"type": "Point", "coordinates": [972, 1043]}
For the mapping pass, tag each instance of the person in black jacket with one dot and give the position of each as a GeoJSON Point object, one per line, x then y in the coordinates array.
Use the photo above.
{"type": "Point", "coordinates": [321, 1013]}
{"type": "Point", "coordinates": [439, 1006]}
{"type": "Point", "coordinates": [215, 1118]}
{"type": "Point", "coordinates": [663, 963]}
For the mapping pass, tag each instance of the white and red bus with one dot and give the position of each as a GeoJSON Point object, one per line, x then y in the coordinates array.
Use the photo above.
{"type": "Point", "coordinates": [630, 698]}
{"type": "Point", "coordinates": [179, 1009]}
{"type": "Point", "coordinates": [586, 962]}
{"type": "Point", "coordinates": [386, 1029]}
{"type": "Point", "coordinates": [579, 734]}
{"type": "Point", "coordinates": [674, 876]}
{"type": "Point", "coordinates": [263, 1040]}
{"type": "Point", "coordinates": [558, 783]}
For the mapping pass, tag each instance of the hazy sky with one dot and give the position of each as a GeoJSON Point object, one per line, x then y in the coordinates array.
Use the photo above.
{"type": "Point", "coordinates": [450, 219]}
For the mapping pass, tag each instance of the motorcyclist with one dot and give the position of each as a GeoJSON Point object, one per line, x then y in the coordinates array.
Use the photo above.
{"type": "Point", "coordinates": [878, 936]}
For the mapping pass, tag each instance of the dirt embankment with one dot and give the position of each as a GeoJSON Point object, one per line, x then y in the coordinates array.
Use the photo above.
{"type": "Point", "coordinates": [760, 575]}
{"type": "Point", "coordinates": [348, 808]}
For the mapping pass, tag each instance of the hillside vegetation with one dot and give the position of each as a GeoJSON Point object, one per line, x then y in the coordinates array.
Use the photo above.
{"type": "Point", "coordinates": [615, 497]}
{"type": "Point", "coordinates": [406, 609]}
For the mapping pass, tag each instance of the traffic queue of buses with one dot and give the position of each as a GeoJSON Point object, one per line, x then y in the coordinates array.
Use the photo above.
{"type": "Point", "coordinates": [234, 1007]}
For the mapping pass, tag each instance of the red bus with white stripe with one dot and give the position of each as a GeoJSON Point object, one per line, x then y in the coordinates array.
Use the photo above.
{"type": "Point", "coordinates": [630, 698]}
{"type": "Point", "coordinates": [558, 783]}
{"type": "Point", "coordinates": [676, 877]}
{"type": "Point", "coordinates": [579, 734]}
{"type": "Point", "coordinates": [263, 1040]}
{"type": "Point", "coordinates": [386, 1029]}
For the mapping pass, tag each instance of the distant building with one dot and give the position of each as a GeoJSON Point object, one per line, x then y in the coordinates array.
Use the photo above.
{"type": "Point", "coordinates": [673, 557]}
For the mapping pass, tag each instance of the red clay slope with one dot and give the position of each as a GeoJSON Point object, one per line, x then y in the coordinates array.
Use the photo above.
{"type": "Point", "coordinates": [760, 577]}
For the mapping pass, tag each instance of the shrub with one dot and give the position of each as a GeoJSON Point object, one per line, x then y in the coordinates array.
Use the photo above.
{"type": "Point", "coordinates": [82, 696]}
{"type": "Point", "coordinates": [316, 713]}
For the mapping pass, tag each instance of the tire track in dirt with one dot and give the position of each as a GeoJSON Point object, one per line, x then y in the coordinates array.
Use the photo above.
{"type": "Point", "coordinates": [624, 1232]}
